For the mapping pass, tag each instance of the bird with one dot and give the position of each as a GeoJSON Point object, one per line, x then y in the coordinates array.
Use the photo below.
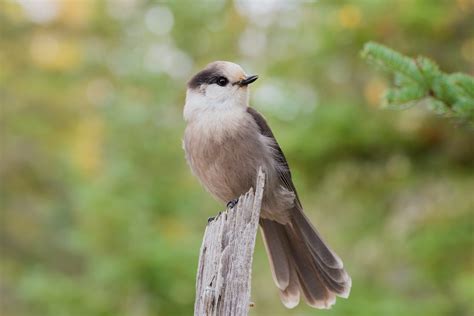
{"type": "Point", "coordinates": [225, 142]}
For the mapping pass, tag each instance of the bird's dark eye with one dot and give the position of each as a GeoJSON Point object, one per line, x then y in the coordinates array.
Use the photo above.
{"type": "Point", "coordinates": [222, 81]}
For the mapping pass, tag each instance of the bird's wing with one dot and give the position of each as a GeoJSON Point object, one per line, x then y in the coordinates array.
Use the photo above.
{"type": "Point", "coordinates": [283, 173]}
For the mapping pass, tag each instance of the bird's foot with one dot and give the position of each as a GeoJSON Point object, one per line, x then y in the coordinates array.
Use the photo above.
{"type": "Point", "coordinates": [232, 203]}
{"type": "Point", "coordinates": [210, 219]}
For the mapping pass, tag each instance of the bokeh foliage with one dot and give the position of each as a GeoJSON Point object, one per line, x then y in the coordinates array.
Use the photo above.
{"type": "Point", "coordinates": [100, 214]}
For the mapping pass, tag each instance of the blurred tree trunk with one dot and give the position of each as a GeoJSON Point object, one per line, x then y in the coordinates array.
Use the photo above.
{"type": "Point", "coordinates": [225, 261]}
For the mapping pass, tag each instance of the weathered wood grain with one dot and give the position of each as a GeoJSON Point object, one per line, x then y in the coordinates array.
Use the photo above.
{"type": "Point", "coordinates": [225, 261]}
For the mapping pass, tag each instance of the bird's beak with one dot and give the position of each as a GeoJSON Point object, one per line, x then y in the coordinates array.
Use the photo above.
{"type": "Point", "coordinates": [247, 81]}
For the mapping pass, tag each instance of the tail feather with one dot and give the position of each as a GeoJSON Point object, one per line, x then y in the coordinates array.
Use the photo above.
{"type": "Point", "coordinates": [276, 244]}
{"type": "Point", "coordinates": [301, 263]}
{"type": "Point", "coordinates": [336, 275]}
{"type": "Point", "coordinates": [341, 288]}
{"type": "Point", "coordinates": [313, 287]}
{"type": "Point", "coordinates": [281, 262]}
{"type": "Point", "coordinates": [291, 295]}
{"type": "Point", "coordinates": [312, 238]}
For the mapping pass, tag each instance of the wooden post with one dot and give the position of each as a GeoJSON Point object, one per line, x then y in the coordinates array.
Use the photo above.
{"type": "Point", "coordinates": [225, 261]}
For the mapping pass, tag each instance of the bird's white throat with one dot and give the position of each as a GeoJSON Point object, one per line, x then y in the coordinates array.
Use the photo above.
{"type": "Point", "coordinates": [213, 119]}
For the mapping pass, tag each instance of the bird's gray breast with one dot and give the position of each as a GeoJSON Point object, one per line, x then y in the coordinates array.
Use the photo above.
{"type": "Point", "coordinates": [225, 153]}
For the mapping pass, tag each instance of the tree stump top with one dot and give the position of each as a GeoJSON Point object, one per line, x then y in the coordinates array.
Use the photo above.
{"type": "Point", "coordinates": [225, 260]}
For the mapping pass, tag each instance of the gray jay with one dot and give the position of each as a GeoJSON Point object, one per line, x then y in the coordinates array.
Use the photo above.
{"type": "Point", "coordinates": [225, 142]}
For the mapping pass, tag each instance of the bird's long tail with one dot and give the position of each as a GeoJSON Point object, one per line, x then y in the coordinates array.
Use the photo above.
{"type": "Point", "coordinates": [301, 263]}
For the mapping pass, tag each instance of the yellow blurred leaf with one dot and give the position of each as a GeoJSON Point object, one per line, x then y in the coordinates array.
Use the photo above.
{"type": "Point", "coordinates": [53, 53]}
{"type": "Point", "coordinates": [349, 16]}
{"type": "Point", "coordinates": [465, 5]}
{"type": "Point", "coordinates": [373, 91]}
{"type": "Point", "coordinates": [76, 13]}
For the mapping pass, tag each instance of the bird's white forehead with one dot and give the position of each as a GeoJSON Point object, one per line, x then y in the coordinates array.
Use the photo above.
{"type": "Point", "coordinates": [229, 69]}
{"type": "Point", "coordinates": [214, 70]}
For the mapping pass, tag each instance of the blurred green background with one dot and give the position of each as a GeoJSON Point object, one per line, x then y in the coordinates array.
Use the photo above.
{"type": "Point", "coordinates": [100, 214]}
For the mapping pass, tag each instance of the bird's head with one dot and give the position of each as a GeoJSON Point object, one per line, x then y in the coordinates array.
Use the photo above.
{"type": "Point", "coordinates": [220, 86]}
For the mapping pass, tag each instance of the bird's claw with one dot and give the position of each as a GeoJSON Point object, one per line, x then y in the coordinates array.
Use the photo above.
{"type": "Point", "coordinates": [232, 203]}
{"type": "Point", "coordinates": [210, 219]}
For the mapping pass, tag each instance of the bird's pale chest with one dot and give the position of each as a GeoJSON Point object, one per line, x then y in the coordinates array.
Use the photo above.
{"type": "Point", "coordinates": [223, 153]}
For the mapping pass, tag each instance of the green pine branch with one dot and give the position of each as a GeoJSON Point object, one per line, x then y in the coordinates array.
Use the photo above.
{"type": "Point", "coordinates": [420, 79]}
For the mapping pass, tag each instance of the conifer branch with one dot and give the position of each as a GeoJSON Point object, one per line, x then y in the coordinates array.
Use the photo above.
{"type": "Point", "coordinates": [420, 79]}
